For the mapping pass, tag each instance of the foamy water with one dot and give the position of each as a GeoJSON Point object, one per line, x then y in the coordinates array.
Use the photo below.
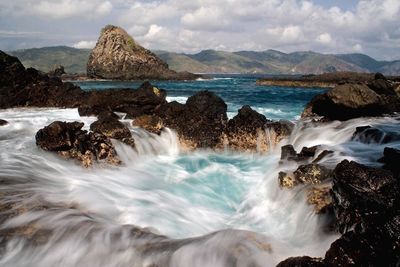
{"type": "Point", "coordinates": [176, 195]}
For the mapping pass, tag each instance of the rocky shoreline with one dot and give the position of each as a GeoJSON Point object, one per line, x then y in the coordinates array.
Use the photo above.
{"type": "Point", "coordinates": [363, 201]}
{"type": "Point", "coordinates": [326, 80]}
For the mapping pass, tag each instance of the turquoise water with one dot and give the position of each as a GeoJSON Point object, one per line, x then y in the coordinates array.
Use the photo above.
{"type": "Point", "coordinates": [273, 102]}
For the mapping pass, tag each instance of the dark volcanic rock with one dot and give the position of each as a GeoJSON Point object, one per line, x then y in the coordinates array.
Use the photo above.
{"type": "Point", "coordinates": [311, 173]}
{"type": "Point", "coordinates": [374, 245]}
{"type": "Point", "coordinates": [29, 87]}
{"type": "Point", "coordinates": [118, 56]}
{"type": "Point", "coordinates": [135, 103]}
{"type": "Point", "coordinates": [391, 160]}
{"type": "Point", "coordinates": [288, 152]}
{"type": "Point", "coordinates": [304, 261]}
{"type": "Point", "coordinates": [58, 136]}
{"type": "Point", "coordinates": [3, 122]}
{"type": "Point", "coordinates": [111, 128]}
{"type": "Point", "coordinates": [321, 199]}
{"type": "Point", "coordinates": [362, 193]}
{"type": "Point", "coordinates": [368, 134]}
{"type": "Point", "coordinates": [199, 123]}
{"type": "Point", "coordinates": [247, 130]}
{"type": "Point", "coordinates": [70, 141]}
{"type": "Point", "coordinates": [349, 101]}
{"type": "Point", "coordinates": [150, 123]}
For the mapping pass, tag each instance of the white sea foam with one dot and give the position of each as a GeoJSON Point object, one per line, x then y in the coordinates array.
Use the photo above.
{"type": "Point", "coordinates": [176, 194]}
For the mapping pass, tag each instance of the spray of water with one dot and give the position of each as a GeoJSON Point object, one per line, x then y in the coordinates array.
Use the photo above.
{"type": "Point", "coordinates": [162, 207]}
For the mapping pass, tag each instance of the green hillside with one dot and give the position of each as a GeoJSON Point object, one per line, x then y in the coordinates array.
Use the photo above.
{"type": "Point", "coordinates": [212, 61]}
{"type": "Point", "coordinates": [74, 60]}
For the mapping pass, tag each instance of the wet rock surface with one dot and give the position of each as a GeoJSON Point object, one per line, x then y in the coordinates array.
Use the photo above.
{"type": "Point", "coordinates": [361, 192]}
{"type": "Point", "coordinates": [3, 122]}
{"type": "Point", "coordinates": [368, 134]}
{"type": "Point", "coordinates": [353, 100]}
{"type": "Point", "coordinates": [366, 204]}
{"type": "Point", "coordinates": [70, 141]}
{"type": "Point", "coordinates": [199, 123]}
{"type": "Point", "coordinates": [304, 261]}
{"type": "Point", "coordinates": [150, 123]}
{"type": "Point", "coordinates": [391, 160]}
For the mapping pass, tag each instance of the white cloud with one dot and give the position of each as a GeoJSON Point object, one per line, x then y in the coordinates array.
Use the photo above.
{"type": "Point", "coordinates": [85, 44]}
{"type": "Point", "coordinates": [371, 26]}
{"type": "Point", "coordinates": [324, 38]}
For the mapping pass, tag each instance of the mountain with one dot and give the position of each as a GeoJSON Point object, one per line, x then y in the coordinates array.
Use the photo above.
{"type": "Point", "coordinates": [46, 58]}
{"type": "Point", "coordinates": [212, 61]}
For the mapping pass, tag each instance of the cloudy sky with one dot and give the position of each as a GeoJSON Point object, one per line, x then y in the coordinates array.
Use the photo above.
{"type": "Point", "coordinates": [328, 26]}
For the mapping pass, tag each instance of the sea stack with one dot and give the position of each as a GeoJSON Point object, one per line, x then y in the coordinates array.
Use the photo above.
{"type": "Point", "coordinates": [117, 56]}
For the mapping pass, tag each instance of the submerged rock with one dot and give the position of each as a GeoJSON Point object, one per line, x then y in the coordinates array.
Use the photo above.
{"type": "Point", "coordinates": [368, 134]}
{"type": "Point", "coordinates": [3, 122]}
{"type": "Point", "coordinates": [70, 141]}
{"type": "Point", "coordinates": [117, 56]}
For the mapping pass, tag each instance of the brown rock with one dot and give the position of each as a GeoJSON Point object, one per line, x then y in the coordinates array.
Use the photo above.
{"type": "Point", "coordinates": [117, 56]}
{"type": "Point", "coordinates": [286, 180]}
{"type": "Point", "coordinates": [150, 123]}
{"type": "Point", "coordinates": [320, 198]}
{"type": "Point", "coordinates": [70, 141]}
{"type": "Point", "coordinates": [311, 173]}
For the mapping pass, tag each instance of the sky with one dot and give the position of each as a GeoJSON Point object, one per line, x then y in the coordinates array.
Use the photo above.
{"type": "Point", "coordinates": [371, 27]}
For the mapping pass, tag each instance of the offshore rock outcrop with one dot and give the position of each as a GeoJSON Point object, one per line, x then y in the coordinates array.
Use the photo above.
{"type": "Point", "coordinates": [117, 56]}
{"type": "Point", "coordinates": [3, 122]}
{"type": "Point", "coordinates": [351, 100]}
{"type": "Point", "coordinates": [70, 141]}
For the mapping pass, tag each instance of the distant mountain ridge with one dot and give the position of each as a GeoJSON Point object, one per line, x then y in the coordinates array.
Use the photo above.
{"type": "Point", "coordinates": [212, 61]}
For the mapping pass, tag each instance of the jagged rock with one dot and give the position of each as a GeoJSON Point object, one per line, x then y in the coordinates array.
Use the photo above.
{"type": "Point", "coordinates": [117, 56]}
{"type": "Point", "coordinates": [278, 130]}
{"type": "Point", "coordinates": [286, 180]}
{"type": "Point", "coordinates": [29, 87]}
{"type": "Point", "coordinates": [368, 134]}
{"type": "Point", "coordinates": [391, 160]}
{"type": "Point", "coordinates": [199, 123]}
{"type": "Point", "coordinates": [58, 71]}
{"type": "Point", "coordinates": [306, 153]}
{"type": "Point", "coordinates": [374, 245]}
{"type": "Point", "coordinates": [349, 101]}
{"type": "Point", "coordinates": [150, 123]}
{"type": "Point", "coordinates": [3, 122]}
{"type": "Point", "coordinates": [70, 141]}
{"type": "Point", "coordinates": [311, 173]}
{"type": "Point", "coordinates": [135, 103]}
{"type": "Point", "coordinates": [361, 193]}
{"type": "Point", "coordinates": [321, 199]}
{"type": "Point", "coordinates": [111, 128]}
{"type": "Point", "coordinates": [246, 131]}
{"type": "Point", "coordinates": [304, 261]}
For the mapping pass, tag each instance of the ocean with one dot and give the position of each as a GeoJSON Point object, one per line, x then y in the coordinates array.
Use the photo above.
{"type": "Point", "coordinates": [180, 195]}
